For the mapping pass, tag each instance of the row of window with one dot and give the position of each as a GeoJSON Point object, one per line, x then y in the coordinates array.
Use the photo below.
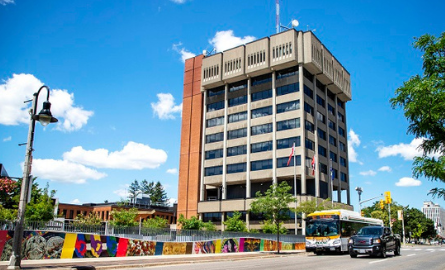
{"type": "Point", "coordinates": [210, 72]}
{"type": "Point", "coordinates": [256, 58]}
{"type": "Point", "coordinates": [232, 65]}
{"type": "Point", "coordinates": [266, 164]}
{"type": "Point", "coordinates": [282, 50]}
{"type": "Point", "coordinates": [254, 148]}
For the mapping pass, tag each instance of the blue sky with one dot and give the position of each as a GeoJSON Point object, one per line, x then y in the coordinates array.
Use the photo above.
{"type": "Point", "coordinates": [116, 73]}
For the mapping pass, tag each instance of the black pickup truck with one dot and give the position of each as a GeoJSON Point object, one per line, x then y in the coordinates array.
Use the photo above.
{"type": "Point", "coordinates": [374, 240]}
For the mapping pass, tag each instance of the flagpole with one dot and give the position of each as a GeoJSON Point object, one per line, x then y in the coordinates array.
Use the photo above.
{"type": "Point", "coordinates": [295, 188]}
{"type": "Point", "coordinates": [332, 184]}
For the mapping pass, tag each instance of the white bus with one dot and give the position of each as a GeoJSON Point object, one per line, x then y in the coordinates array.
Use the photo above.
{"type": "Point", "coordinates": [330, 230]}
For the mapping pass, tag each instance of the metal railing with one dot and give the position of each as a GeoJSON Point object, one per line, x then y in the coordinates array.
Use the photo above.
{"type": "Point", "coordinates": [148, 234]}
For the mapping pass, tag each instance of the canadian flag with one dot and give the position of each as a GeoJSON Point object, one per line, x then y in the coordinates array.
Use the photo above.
{"type": "Point", "coordinates": [291, 154]}
{"type": "Point", "coordinates": [313, 165]}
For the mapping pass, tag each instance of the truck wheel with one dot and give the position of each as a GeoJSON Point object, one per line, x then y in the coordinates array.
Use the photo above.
{"type": "Point", "coordinates": [383, 252]}
{"type": "Point", "coordinates": [397, 250]}
{"type": "Point", "coordinates": [353, 255]}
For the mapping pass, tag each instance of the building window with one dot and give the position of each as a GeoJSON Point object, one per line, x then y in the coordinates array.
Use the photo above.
{"type": "Point", "coordinates": [262, 95]}
{"type": "Point", "coordinates": [237, 150]}
{"type": "Point", "coordinates": [216, 170]}
{"type": "Point", "coordinates": [343, 177]}
{"type": "Point", "coordinates": [215, 121]}
{"type": "Point", "coordinates": [282, 162]}
{"type": "Point", "coordinates": [341, 132]}
{"type": "Point", "coordinates": [331, 109]}
{"type": "Point", "coordinates": [287, 72]}
{"type": "Point", "coordinates": [309, 126]}
{"type": "Point", "coordinates": [261, 147]}
{"type": "Point", "coordinates": [288, 124]}
{"type": "Point", "coordinates": [321, 150]}
{"type": "Point", "coordinates": [288, 142]}
{"type": "Point", "coordinates": [334, 173]}
{"type": "Point", "coordinates": [217, 137]}
{"type": "Point", "coordinates": [236, 117]}
{"type": "Point", "coordinates": [212, 154]}
{"type": "Point", "coordinates": [237, 133]}
{"type": "Point", "coordinates": [320, 85]}
{"type": "Point", "coordinates": [261, 129]}
{"type": "Point", "coordinates": [237, 86]}
{"type": "Point", "coordinates": [261, 165]}
{"type": "Point", "coordinates": [237, 101]}
{"type": "Point", "coordinates": [340, 104]}
{"type": "Point", "coordinates": [342, 146]}
{"type": "Point", "coordinates": [260, 112]}
{"type": "Point", "coordinates": [320, 101]}
{"type": "Point", "coordinates": [216, 91]}
{"type": "Point", "coordinates": [215, 106]}
{"type": "Point", "coordinates": [323, 168]}
{"type": "Point", "coordinates": [308, 91]}
{"type": "Point", "coordinates": [321, 134]}
{"type": "Point", "coordinates": [288, 106]}
{"type": "Point", "coordinates": [340, 117]}
{"type": "Point", "coordinates": [309, 109]}
{"type": "Point", "coordinates": [321, 117]}
{"type": "Point", "coordinates": [287, 89]}
{"type": "Point", "coordinates": [331, 95]}
{"type": "Point", "coordinates": [333, 156]}
{"type": "Point", "coordinates": [309, 144]}
{"type": "Point", "coordinates": [308, 75]}
{"type": "Point", "coordinates": [331, 125]}
{"type": "Point", "coordinates": [236, 168]}
{"type": "Point", "coordinates": [332, 141]}
{"type": "Point", "coordinates": [343, 161]}
{"type": "Point", "coordinates": [261, 79]}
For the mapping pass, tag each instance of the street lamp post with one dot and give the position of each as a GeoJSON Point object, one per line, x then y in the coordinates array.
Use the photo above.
{"type": "Point", "coordinates": [44, 117]}
{"type": "Point", "coordinates": [359, 191]}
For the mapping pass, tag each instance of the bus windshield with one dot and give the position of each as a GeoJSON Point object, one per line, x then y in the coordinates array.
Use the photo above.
{"type": "Point", "coordinates": [320, 227]}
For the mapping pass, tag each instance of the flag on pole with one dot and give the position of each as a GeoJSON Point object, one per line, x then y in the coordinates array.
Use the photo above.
{"type": "Point", "coordinates": [291, 154]}
{"type": "Point", "coordinates": [313, 165]}
{"type": "Point", "coordinates": [332, 173]}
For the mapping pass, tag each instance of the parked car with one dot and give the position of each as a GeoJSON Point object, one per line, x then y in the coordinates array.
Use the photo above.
{"type": "Point", "coordinates": [374, 240]}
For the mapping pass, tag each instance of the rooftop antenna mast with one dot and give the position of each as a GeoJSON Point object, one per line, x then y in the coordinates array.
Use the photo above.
{"type": "Point", "coordinates": [277, 17]}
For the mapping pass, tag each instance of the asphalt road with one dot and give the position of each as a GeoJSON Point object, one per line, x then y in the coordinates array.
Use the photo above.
{"type": "Point", "coordinates": [418, 257]}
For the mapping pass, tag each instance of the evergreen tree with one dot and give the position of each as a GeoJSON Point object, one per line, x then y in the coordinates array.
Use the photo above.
{"type": "Point", "coordinates": [133, 191]}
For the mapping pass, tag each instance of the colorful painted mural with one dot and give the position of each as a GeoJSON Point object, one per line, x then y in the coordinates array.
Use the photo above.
{"type": "Point", "coordinates": [38, 245]}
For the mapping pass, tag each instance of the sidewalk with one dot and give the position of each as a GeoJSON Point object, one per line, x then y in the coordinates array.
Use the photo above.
{"type": "Point", "coordinates": [143, 261]}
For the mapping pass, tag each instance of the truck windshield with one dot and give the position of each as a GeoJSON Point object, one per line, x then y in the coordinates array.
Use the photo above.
{"type": "Point", "coordinates": [370, 231]}
{"type": "Point", "coordinates": [319, 227]}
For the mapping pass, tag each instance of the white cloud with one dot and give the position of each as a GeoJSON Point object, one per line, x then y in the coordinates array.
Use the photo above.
{"type": "Point", "coordinates": [172, 171]}
{"type": "Point", "coordinates": [171, 201]}
{"type": "Point", "coordinates": [408, 182]}
{"type": "Point", "coordinates": [134, 156]}
{"type": "Point", "coordinates": [407, 151]}
{"type": "Point", "coordinates": [21, 87]}
{"type": "Point", "coordinates": [183, 52]}
{"type": "Point", "coordinates": [7, 139]}
{"type": "Point", "coordinates": [179, 1]}
{"type": "Point", "coordinates": [122, 192]}
{"type": "Point", "coordinates": [165, 107]}
{"type": "Point", "coordinates": [5, 2]}
{"type": "Point", "coordinates": [385, 169]}
{"type": "Point", "coordinates": [75, 201]}
{"type": "Point", "coordinates": [224, 40]}
{"type": "Point", "coordinates": [64, 171]}
{"type": "Point", "coordinates": [353, 141]}
{"type": "Point", "coordinates": [368, 173]}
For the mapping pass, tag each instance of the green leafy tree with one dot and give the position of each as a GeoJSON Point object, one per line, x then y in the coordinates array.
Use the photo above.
{"type": "Point", "coordinates": [274, 205]}
{"type": "Point", "coordinates": [155, 192]}
{"type": "Point", "coordinates": [235, 224]}
{"type": "Point", "coordinates": [92, 219]}
{"type": "Point", "coordinates": [7, 214]}
{"type": "Point", "coordinates": [147, 188]}
{"type": "Point", "coordinates": [311, 206]}
{"type": "Point", "coordinates": [208, 226]}
{"type": "Point", "coordinates": [268, 227]}
{"type": "Point", "coordinates": [133, 191]}
{"type": "Point", "coordinates": [193, 223]}
{"type": "Point", "coordinates": [155, 223]}
{"type": "Point", "coordinates": [41, 207]}
{"type": "Point", "coordinates": [422, 98]}
{"type": "Point", "coordinates": [124, 217]}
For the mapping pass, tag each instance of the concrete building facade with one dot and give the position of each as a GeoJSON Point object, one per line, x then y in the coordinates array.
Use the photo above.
{"type": "Point", "coordinates": [437, 214]}
{"type": "Point", "coordinates": [244, 108]}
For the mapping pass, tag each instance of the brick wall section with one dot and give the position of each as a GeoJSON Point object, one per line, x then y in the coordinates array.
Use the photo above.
{"type": "Point", "coordinates": [190, 155]}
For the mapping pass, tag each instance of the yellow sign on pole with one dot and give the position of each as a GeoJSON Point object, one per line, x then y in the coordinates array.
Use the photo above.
{"type": "Point", "coordinates": [400, 214]}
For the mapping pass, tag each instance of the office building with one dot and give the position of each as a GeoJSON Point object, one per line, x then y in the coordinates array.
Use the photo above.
{"type": "Point", "coordinates": [244, 108]}
{"type": "Point", "coordinates": [437, 214]}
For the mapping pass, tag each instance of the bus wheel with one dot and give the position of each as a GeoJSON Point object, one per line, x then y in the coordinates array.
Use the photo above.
{"type": "Point", "coordinates": [318, 253]}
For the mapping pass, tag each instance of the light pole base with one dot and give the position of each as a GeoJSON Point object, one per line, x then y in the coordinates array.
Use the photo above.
{"type": "Point", "coordinates": [13, 262]}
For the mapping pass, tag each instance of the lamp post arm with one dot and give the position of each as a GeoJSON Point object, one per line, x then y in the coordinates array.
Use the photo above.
{"type": "Point", "coordinates": [369, 200]}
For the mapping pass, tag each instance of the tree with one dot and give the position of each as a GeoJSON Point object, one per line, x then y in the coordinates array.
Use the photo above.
{"type": "Point", "coordinates": [194, 223]}
{"type": "Point", "coordinates": [91, 219]}
{"type": "Point", "coordinates": [134, 190]}
{"type": "Point", "coordinates": [422, 98]}
{"type": "Point", "coordinates": [274, 205]}
{"type": "Point", "coordinates": [155, 192]}
{"type": "Point", "coordinates": [41, 207]}
{"type": "Point", "coordinates": [147, 188]}
{"type": "Point", "coordinates": [311, 206]}
{"type": "Point", "coordinates": [235, 224]}
{"type": "Point", "coordinates": [155, 223]}
{"type": "Point", "coordinates": [124, 217]}
{"type": "Point", "coordinates": [268, 227]}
